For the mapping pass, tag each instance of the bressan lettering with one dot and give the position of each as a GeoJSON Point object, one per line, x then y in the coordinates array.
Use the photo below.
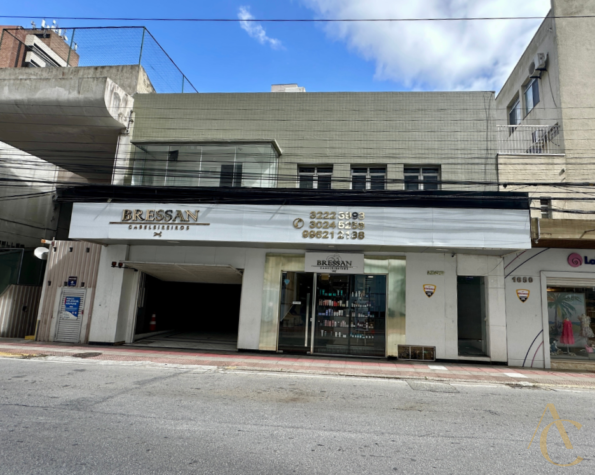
{"type": "Point", "coordinates": [138, 215]}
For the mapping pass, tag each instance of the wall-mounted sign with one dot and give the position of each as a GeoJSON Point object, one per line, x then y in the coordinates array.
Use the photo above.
{"type": "Point", "coordinates": [340, 226]}
{"type": "Point", "coordinates": [575, 260]}
{"type": "Point", "coordinates": [71, 307]}
{"type": "Point", "coordinates": [334, 263]}
{"type": "Point", "coordinates": [429, 289]}
{"type": "Point", "coordinates": [523, 294]}
{"type": "Point", "coordinates": [72, 281]}
{"type": "Point", "coordinates": [435, 272]}
{"type": "Point", "coordinates": [159, 220]}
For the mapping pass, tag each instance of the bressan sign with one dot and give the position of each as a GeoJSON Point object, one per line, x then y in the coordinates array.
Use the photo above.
{"type": "Point", "coordinates": [158, 215]}
{"type": "Point", "coordinates": [311, 227]}
{"type": "Point", "coordinates": [334, 263]}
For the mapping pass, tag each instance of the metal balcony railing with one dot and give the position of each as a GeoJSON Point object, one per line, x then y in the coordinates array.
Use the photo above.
{"type": "Point", "coordinates": [93, 46]}
{"type": "Point", "coordinates": [530, 140]}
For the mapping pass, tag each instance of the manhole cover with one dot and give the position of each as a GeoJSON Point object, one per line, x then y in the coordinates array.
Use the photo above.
{"type": "Point", "coordinates": [86, 355]}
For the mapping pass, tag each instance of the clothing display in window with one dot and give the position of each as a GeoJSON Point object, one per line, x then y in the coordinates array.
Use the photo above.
{"type": "Point", "coordinates": [586, 330]}
{"type": "Point", "coordinates": [567, 337]}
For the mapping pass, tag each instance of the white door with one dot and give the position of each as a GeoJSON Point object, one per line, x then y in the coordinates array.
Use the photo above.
{"type": "Point", "coordinates": [70, 315]}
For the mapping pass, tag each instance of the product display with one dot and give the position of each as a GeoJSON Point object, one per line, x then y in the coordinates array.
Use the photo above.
{"type": "Point", "coordinates": [351, 314]}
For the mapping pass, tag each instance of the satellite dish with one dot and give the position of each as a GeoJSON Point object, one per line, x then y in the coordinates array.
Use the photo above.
{"type": "Point", "coordinates": [41, 253]}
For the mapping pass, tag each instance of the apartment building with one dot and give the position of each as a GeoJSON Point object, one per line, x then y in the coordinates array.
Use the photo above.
{"type": "Point", "coordinates": [545, 121]}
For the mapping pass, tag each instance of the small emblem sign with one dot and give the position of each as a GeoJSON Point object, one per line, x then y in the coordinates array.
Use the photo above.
{"type": "Point", "coordinates": [523, 294]}
{"type": "Point", "coordinates": [72, 281]}
{"type": "Point", "coordinates": [429, 289]}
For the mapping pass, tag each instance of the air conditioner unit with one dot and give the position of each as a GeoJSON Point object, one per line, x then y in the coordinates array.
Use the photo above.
{"type": "Point", "coordinates": [538, 64]}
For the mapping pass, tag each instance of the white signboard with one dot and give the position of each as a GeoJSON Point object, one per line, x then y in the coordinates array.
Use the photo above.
{"type": "Point", "coordinates": [334, 263]}
{"type": "Point", "coordinates": [353, 226]}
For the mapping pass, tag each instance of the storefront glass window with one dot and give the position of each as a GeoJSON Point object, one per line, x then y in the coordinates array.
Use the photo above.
{"type": "Point", "coordinates": [350, 314]}
{"type": "Point", "coordinates": [571, 318]}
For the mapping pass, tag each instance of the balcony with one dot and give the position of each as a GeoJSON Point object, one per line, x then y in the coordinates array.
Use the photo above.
{"type": "Point", "coordinates": [530, 140]}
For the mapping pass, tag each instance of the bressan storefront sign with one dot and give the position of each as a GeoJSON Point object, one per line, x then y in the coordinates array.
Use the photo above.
{"type": "Point", "coordinates": [334, 263]}
{"type": "Point", "coordinates": [353, 226]}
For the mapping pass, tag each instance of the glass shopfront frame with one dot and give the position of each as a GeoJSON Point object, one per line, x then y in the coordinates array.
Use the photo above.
{"type": "Point", "coordinates": [338, 314]}
{"type": "Point", "coordinates": [571, 322]}
{"type": "Point", "coordinates": [395, 267]}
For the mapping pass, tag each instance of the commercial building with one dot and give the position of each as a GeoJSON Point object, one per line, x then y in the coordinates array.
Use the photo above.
{"type": "Point", "coordinates": [545, 124]}
{"type": "Point", "coordinates": [307, 222]}
{"type": "Point", "coordinates": [401, 225]}
{"type": "Point", "coordinates": [62, 115]}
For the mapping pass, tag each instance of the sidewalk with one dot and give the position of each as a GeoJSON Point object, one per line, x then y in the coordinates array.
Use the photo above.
{"type": "Point", "coordinates": [447, 372]}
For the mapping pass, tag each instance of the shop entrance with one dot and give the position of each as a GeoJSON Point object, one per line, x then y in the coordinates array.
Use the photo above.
{"type": "Point", "coordinates": [192, 315]}
{"type": "Point", "coordinates": [333, 314]}
{"type": "Point", "coordinates": [471, 312]}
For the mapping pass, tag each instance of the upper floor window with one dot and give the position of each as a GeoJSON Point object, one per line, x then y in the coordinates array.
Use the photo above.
{"type": "Point", "coordinates": [318, 178]}
{"type": "Point", "coordinates": [514, 113]}
{"type": "Point", "coordinates": [531, 95]}
{"type": "Point", "coordinates": [251, 165]}
{"type": "Point", "coordinates": [363, 178]}
{"type": "Point", "coordinates": [231, 175]}
{"type": "Point", "coordinates": [422, 178]}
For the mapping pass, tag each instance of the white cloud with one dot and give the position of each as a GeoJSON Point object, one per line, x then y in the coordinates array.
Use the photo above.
{"type": "Point", "coordinates": [466, 55]}
{"type": "Point", "coordinates": [255, 30]}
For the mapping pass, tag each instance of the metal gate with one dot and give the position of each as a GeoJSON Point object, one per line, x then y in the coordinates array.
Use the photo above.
{"type": "Point", "coordinates": [70, 315]}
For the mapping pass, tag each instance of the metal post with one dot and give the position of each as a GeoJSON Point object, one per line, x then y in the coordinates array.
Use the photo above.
{"type": "Point", "coordinates": [70, 49]}
{"type": "Point", "coordinates": [142, 43]}
{"type": "Point", "coordinates": [20, 266]}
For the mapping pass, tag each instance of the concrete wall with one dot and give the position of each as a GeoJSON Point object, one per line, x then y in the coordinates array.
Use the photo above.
{"type": "Point", "coordinates": [567, 98]}
{"type": "Point", "coordinates": [108, 306]}
{"type": "Point", "coordinates": [527, 346]}
{"type": "Point", "coordinates": [25, 221]}
{"type": "Point", "coordinates": [132, 78]}
{"type": "Point", "coordinates": [433, 321]}
{"type": "Point", "coordinates": [429, 321]}
{"type": "Point", "coordinates": [453, 130]}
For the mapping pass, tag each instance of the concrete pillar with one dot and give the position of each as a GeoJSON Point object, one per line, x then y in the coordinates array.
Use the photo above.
{"type": "Point", "coordinates": [251, 300]}
{"type": "Point", "coordinates": [124, 162]}
{"type": "Point", "coordinates": [112, 287]}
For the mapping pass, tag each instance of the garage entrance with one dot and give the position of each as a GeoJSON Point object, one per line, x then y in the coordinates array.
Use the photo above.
{"type": "Point", "coordinates": [195, 307]}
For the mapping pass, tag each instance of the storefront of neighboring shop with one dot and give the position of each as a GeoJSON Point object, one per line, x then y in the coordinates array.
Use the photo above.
{"type": "Point", "coordinates": [375, 281]}
{"type": "Point", "coordinates": [550, 296]}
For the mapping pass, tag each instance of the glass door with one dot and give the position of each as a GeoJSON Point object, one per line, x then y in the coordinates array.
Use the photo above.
{"type": "Point", "coordinates": [295, 313]}
{"type": "Point", "coordinates": [350, 313]}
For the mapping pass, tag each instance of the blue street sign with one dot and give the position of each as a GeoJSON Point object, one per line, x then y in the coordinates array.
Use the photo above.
{"type": "Point", "coordinates": [72, 281]}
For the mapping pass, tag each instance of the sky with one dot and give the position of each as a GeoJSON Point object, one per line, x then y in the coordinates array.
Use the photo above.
{"type": "Point", "coordinates": [249, 57]}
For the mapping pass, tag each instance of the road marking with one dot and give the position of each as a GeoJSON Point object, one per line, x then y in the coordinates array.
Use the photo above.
{"type": "Point", "coordinates": [437, 367]}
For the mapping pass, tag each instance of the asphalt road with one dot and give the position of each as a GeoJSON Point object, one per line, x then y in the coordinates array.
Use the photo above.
{"type": "Point", "coordinates": [83, 418]}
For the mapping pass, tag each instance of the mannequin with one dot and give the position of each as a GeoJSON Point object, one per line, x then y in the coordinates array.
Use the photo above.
{"type": "Point", "coordinates": [586, 330]}
{"type": "Point", "coordinates": [567, 337]}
